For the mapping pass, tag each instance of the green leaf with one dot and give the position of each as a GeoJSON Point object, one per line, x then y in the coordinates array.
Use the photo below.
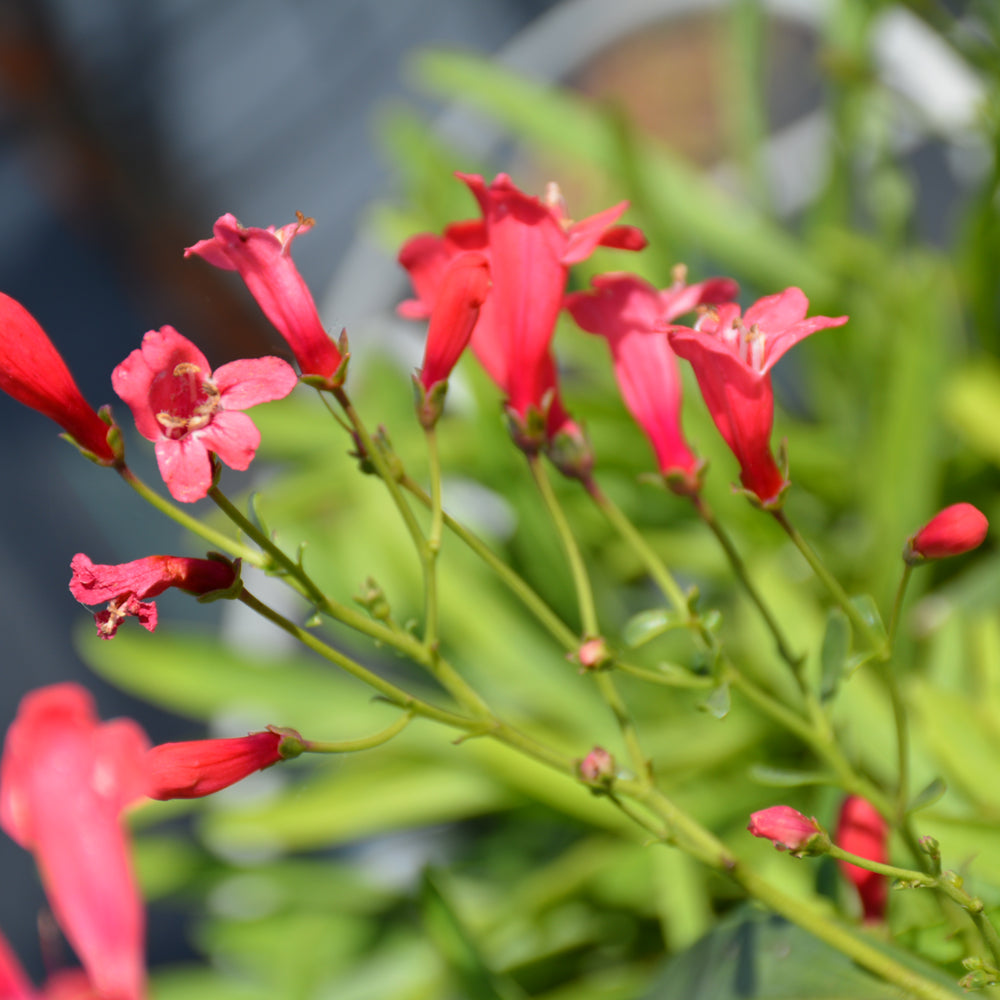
{"type": "Point", "coordinates": [868, 610]}
{"type": "Point", "coordinates": [458, 948]}
{"type": "Point", "coordinates": [718, 703]}
{"type": "Point", "coordinates": [835, 651]}
{"type": "Point", "coordinates": [648, 625]}
{"type": "Point", "coordinates": [928, 796]}
{"type": "Point", "coordinates": [778, 777]}
{"type": "Point", "coordinates": [755, 956]}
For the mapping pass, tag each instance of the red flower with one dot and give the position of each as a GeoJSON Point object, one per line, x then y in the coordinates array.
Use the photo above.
{"type": "Point", "coordinates": [34, 373]}
{"type": "Point", "coordinates": [263, 258]}
{"type": "Point", "coordinates": [862, 831]}
{"type": "Point", "coordinates": [732, 359]}
{"type": "Point", "coordinates": [65, 984]}
{"type": "Point", "coordinates": [127, 585]}
{"type": "Point", "coordinates": [65, 779]}
{"type": "Point", "coordinates": [954, 530]}
{"type": "Point", "coordinates": [463, 289]}
{"type": "Point", "coordinates": [201, 767]}
{"type": "Point", "coordinates": [630, 314]}
{"type": "Point", "coordinates": [188, 411]}
{"type": "Point", "coordinates": [788, 830]}
{"type": "Point", "coordinates": [530, 245]}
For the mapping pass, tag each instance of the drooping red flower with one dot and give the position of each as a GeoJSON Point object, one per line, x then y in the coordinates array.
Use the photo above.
{"type": "Point", "coordinates": [789, 830]}
{"type": "Point", "coordinates": [530, 245]}
{"type": "Point", "coordinates": [862, 831]}
{"type": "Point", "coordinates": [34, 373]}
{"type": "Point", "coordinates": [630, 314]}
{"type": "Point", "coordinates": [464, 286]}
{"type": "Point", "coordinates": [195, 768]}
{"type": "Point", "coordinates": [127, 586]}
{"type": "Point", "coordinates": [65, 778]}
{"type": "Point", "coordinates": [732, 358]}
{"type": "Point", "coordinates": [189, 411]}
{"type": "Point", "coordinates": [263, 258]}
{"type": "Point", "coordinates": [952, 531]}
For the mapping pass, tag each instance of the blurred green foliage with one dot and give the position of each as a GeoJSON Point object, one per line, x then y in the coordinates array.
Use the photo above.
{"type": "Point", "coordinates": [313, 880]}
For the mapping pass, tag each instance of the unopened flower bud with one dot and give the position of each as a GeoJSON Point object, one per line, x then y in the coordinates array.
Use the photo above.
{"type": "Point", "coordinates": [789, 830]}
{"type": "Point", "coordinates": [195, 768]}
{"type": "Point", "coordinates": [593, 654]}
{"type": "Point", "coordinates": [598, 766]}
{"type": "Point", "coordinates": [956, 529]}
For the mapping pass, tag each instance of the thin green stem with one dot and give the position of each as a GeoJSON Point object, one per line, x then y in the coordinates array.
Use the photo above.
{"type": "Point", "coordinates": [677, 677]}
{"type": "Point", "coordinates": [389, 476]}
{"type": "Point", "coordinates": [430, 549]}
{"type": "Point", "coordinates": [364, 742]}
{"type": "Point", "coordinates": [517, 585]}
{"type": "Point", "coordinates": [890, 871]}
{"type": "Point", "coordinates": [832, 585]}
{"type": "Point", "coordinates": [663, 578]}
{"type": "Point", "coordinates": [210, 535]}
{"type": "Point", "coordinates": [897, 604]}
{"type": "Point", "coordinates": [794, 660]}
{"type": "Point", "coordinates": [581, 580]}
{"type": "Point", "coordinates": [899, 715]}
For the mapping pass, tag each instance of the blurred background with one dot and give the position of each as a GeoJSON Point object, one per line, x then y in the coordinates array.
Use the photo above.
{"type": "Point", "coordinates": [128, 128]}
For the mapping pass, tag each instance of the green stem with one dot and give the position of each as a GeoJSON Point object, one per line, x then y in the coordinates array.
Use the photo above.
{"type": "Point", "coordinates": [517, 585]}
{"type": "Point", "coordinates": [890, 871]}
{"type": "Point", "coordinates": [679, 677]}
{"type": "Point", "coordinates": [897, 604]}
{"type": "Point", "coordinates": [794, 660]}
{"type": "Point", "coordinates": [213, 537]}
{"type": "Point", "coordinates": [386, 474]}
{"type": "Point", "coordinates": [663, 578]}
{"type": "Point", "coordinates": [581, 581]}
{"type": "Point", "coordinates": [430, 549]}
{"type": "Point", "coordinates": [364, 743]}
{"type": "Point", "coordinates": [831, 583]}
{"type": "Point", "coordinates": [472, 726]}
{"type": "Point", "coordinates": [899, 715]}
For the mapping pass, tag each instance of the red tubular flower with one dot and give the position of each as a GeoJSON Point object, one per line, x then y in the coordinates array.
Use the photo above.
{"type": "Point", "coordinates": [463, 289]}
{"type": "Point", "coordinates": [732, 359]}
{"type": "Point", "coordinates": [530, 245]}
{"type": "Point", "coordinates": [188, 411]}
{"type": "Point", "coordinates": [630, 314]}
{"type": "Point", "coordinates": [263, 258]}
{"type": "Point", "coordinates": [200, 767]}
{"type": "Point", "coordinates": [126, 586]}
{"type": "Point", "coordinates": [954, 530]}
{"type": "Point", "coordinates": [862, 831]}
{"type": "Point", "coordinates": [65, 779]}
{"type": "Point", "coordinates": [34, 373]}
{"type": "Point", "coordinates": [789, 830]}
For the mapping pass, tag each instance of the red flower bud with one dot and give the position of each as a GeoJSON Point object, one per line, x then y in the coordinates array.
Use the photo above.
{"type": "Point", "coordinates": [34, 373]}
{"type": "Point", "coordinates": [200, 767]}
{"type": "Point", "coordinates": [788, 830]}
{"type": "Point", "coordinates": [597, 766]}
{"type": "Point", "coordinates": [956, 529]}
{"type": "Point", "coordinates": [862, 831]}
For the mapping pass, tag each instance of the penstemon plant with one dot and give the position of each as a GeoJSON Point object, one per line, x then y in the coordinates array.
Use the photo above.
{"type": "Point", "coordinates": [495, 284]}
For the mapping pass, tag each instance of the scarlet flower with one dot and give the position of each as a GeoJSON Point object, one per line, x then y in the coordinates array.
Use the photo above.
{"type": "Point", "coordinates": [188, 411]}
{"type": "Point", "coordinates": [862, 831]}
{"type": "Point", "coordinates": [65, 778]}
{"type": "Point", "coordinates": [597, 766]}
{"type": "Point", "coordinates": [732, 359]}
{"type": "Point", "coordinates": [530, 245]}
{"type": "Point", "coordinates": [789, 830]}
{"type": "Point", "coordinates": [952, 531]}
{"type": "Point", "coordinates": [464, 287]}
{"type": "Point", "coordinates": [195, 768]}
{"type": "Point", "coordinates": [127, 586]}
{"type": "Point", "coordinates": [34, 373]}
{"type": "Point", "coordinates": [263, 258]}
{"type": "Point", "coordinates": [630, 314]}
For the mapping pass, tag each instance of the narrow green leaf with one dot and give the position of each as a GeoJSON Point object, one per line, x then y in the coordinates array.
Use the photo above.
{"type": "Point", "coordinates": [928, 796]}
{"type": "Point", "coordinates": [718, 702]}
{"type": "Point", "coordinates": [866, 605]}
{"type": "Point", "coordinates": [834, 654]}
{"type": "Point", "coordinates": [648, 625]}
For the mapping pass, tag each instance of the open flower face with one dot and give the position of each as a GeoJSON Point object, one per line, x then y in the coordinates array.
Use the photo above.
{"type": "Point", "coordinates": [189, 411]}
{"type": "Point", "coordinates": [732, 357]}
